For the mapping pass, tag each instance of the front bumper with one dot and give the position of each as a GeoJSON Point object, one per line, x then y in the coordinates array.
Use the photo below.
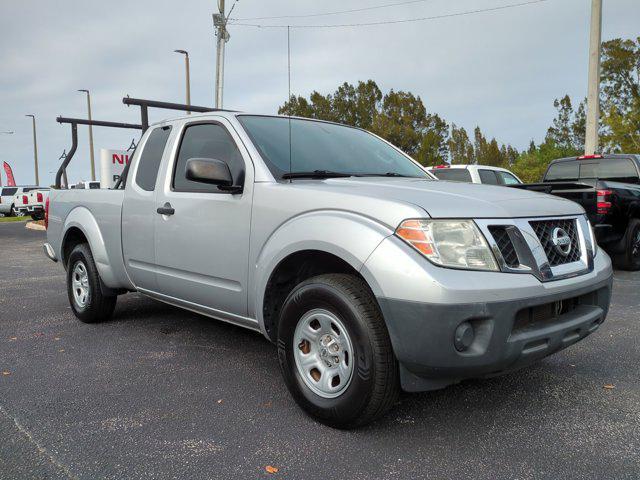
{"type": "Point", "coordinates": [515, 319]}
{"type": "Point", "coordinates": [49, 252]}
{"type": "Point", "coordinates": [508, 335]}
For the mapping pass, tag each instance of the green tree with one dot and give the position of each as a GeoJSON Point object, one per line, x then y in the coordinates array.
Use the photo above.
{"type": "Point", "coordinates": [620, 95]}
{"type": "Point", "coordinates": [531, 165]}
{"type": "Point", "coordinates": [568, 128]}
{"type": "Point", "coordinates": [489, 152]}
{"type": "Point", "coordinates": [460, 147]}
{"type": "Point", "coordinates": [399, 117]}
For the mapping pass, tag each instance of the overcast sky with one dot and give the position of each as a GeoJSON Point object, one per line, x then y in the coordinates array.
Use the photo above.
{"type": "Point", "coordinates": [500, 70]}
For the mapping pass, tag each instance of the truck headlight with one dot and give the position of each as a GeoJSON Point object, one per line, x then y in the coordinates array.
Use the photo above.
{"type": "Point", "coordinates": [449, 243]}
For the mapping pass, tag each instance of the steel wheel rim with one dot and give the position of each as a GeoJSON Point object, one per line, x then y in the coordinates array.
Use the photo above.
{"type": "Point", "coordinates": [80, 285]}
{"type": "Point", "coordinates": [323, 353]}
{"type": "Point", "coordinates": [635, 250]}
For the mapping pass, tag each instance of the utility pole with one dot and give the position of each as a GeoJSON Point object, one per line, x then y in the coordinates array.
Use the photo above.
{"type": "Point", "coordinates": [187, 76]}
{"type": "Point", "coordinates": [220, 23]}
{"type": "Point", "coordinates": [93, 164]}
{"type": "Point", "coordinates": [593, 96]}
{"type": "Point", "coordinates": [35, 148]}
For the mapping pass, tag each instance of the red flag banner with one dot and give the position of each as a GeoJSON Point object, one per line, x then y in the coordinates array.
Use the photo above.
{"type": "Point", "coordinates": [10, 180]}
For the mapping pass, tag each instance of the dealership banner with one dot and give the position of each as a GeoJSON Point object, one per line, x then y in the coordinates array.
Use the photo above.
{"type": "Point", "coordinates": [10, 180]}
{"type": "Point", "coordinates": [112, 163]}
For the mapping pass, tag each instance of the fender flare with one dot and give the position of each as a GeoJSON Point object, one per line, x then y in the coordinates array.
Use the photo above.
{"type": "Point", "coordinates": [346, 235]}
{"type": "Point", "coordinates": [82, 219]}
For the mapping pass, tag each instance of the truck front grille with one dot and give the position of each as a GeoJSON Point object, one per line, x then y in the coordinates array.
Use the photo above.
{"type": "Point", "coordinates": [544, 229]}
{"type": "Point", "coordinates": [505, 245]}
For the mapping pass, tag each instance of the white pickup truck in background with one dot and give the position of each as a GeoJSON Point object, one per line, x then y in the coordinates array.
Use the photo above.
{"type": "Point", "coordinates": [32, 202]}
{"type": "Point", "coordinates": [11, 200]}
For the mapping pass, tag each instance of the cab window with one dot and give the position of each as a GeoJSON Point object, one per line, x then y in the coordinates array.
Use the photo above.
{"type": "Point", "coordinates": [206, 141]}
{"type": "Point", "coordinates": [488, 176]}
{"type": "Point", "coordinates": [506, 178]}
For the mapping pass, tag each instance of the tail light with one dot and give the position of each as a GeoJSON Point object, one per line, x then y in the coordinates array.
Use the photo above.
{"type": "Point", "coordinates": [25, 199]}
{"type": "Point", "coordinates": [442, 166]}
{"type": "Point", "coordinates": [604, 203]}
{"type": "Point", "coordinates": [40, 198]}
{"type": "Point", "coordinates": [590, 157]}
{"type": "Point", "coordinates": [46, 213]}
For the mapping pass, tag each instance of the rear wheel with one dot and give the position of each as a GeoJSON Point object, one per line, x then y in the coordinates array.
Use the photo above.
{"type": "Point", "coordinates": [335, 353]}
{"type": "Point", "coordinates": [87, 301]}
{"type": "Point", "coordinates": [630, 259]}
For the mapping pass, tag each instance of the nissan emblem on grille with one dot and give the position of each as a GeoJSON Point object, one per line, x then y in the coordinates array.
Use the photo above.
{"type": "Point", "coordinates": [561, 241]}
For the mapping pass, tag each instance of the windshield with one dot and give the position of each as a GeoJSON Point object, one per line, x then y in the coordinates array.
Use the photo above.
{"type": "Point", "coordinates": [321, 146]}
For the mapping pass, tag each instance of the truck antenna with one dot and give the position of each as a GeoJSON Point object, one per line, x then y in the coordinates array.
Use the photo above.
{"type": "Point", "coordinates": [289, 99]}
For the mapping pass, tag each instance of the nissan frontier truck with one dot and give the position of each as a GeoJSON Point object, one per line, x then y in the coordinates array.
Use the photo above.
{"type": "Point", "coordinates": [367, 274]}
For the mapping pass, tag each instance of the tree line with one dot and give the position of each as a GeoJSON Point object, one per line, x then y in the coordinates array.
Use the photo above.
{"type": "Point", "coordinates": [402, 118]}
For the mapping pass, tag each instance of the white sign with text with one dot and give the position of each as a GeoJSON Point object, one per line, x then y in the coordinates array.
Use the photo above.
{"type": "Point", "coordinates": [112, 163]}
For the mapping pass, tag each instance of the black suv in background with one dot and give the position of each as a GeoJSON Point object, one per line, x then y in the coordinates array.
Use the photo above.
{"type": "Point", "coordinates": [608, 187]}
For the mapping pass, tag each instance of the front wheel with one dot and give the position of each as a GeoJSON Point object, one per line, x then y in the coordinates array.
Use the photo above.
{"type": "Point", "coordinates": [87, 301]}
{"type": "Point", "coordinates": [335, 353]}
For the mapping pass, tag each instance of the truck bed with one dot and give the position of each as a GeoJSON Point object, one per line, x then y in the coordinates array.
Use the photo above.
{"type": "Point", "coordinates": [583, 193]}
{"type": "Point", "coordinates": [97, 213]}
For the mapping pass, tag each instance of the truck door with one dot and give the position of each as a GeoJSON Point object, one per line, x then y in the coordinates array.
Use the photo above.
{"type": "Point", "coordinates": [202, 244]}
{"type": "Point", "coordinates": [139, 210]}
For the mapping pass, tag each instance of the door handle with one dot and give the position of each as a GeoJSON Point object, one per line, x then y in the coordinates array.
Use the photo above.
{"type": "Point", "coordinates": [167, 209]}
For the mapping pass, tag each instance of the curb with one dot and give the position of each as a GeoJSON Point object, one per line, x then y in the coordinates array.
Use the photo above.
{"type": "Point", "coordinates": [34, 226]}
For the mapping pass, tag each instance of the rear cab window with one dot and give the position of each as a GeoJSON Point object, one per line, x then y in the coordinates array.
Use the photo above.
{"type": "Point", "coordinates": [9, 192]}
{"type": "Point", "coordinates": [614, 169]}
{"type": "Point", "coordinates": [453, 174]}
{"type": "Point", "coordinates": [151, 157]}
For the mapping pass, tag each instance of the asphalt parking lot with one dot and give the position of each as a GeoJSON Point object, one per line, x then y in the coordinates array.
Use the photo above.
{"type": "Point", "coordinates": [162, 393]}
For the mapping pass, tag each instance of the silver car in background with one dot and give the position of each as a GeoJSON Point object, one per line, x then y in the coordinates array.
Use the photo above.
{"type": "Point", "coordinates": [368, 275]}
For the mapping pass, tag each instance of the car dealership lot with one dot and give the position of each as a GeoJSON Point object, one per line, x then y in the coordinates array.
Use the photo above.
{"type": "Point", "coordinates": [162, 393]}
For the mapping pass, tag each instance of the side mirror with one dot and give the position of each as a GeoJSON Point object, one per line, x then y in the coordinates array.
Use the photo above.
{"type": "Point", "coordinates": [209, 170]}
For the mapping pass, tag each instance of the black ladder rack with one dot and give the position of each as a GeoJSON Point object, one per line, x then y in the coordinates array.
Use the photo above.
{"type": "Point", "coordinates": [144, 125]}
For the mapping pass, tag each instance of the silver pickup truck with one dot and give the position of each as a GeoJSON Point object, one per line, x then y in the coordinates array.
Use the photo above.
{"type": "Point", "coordinates": [369, 275]}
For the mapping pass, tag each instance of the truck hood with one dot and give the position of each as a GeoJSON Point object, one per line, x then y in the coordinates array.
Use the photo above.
{"type": "Point", "coordinates": [442, 199]}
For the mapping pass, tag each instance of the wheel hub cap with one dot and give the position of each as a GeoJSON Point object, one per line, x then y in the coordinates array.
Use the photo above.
{"type": "Point", "coordinates": [80, 285]}
{"type": "Point", "coordinates": [323, 353]}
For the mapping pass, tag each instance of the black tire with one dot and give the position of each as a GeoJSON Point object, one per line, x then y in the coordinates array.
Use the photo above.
{"type": "Point", "coordinates": [98, 307]}
{"type": "Point", "coordinates": [12, 211]}
{"type": "Point", "coordinates": [374, 385]}
{"type": "Point", "coordinates": [630, 258]}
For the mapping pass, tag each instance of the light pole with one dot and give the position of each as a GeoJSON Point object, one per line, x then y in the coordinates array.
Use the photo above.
{"type": "Point", "coordinates": [35, 147]}
{"type": "Point", "coordinates": [593, 95]}
{"type": "Point", "coordinates": [187, 77]}
{"type": "Point", "coordinates": [93, 165]}
{"type": "Point", "coordinates": [220, 23]}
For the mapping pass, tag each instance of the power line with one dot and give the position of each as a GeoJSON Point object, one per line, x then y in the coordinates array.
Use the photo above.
{"type": "Point", "coordinates": [389, 22]}
{"type": "Point", "coordinates": [332, 13]}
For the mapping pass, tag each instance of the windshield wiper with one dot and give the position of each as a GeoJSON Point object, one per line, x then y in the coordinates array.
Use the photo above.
{"type": "Point", "coordinates": [316, 174]}
{"type": "Point", "coordinates": [388, 174]}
